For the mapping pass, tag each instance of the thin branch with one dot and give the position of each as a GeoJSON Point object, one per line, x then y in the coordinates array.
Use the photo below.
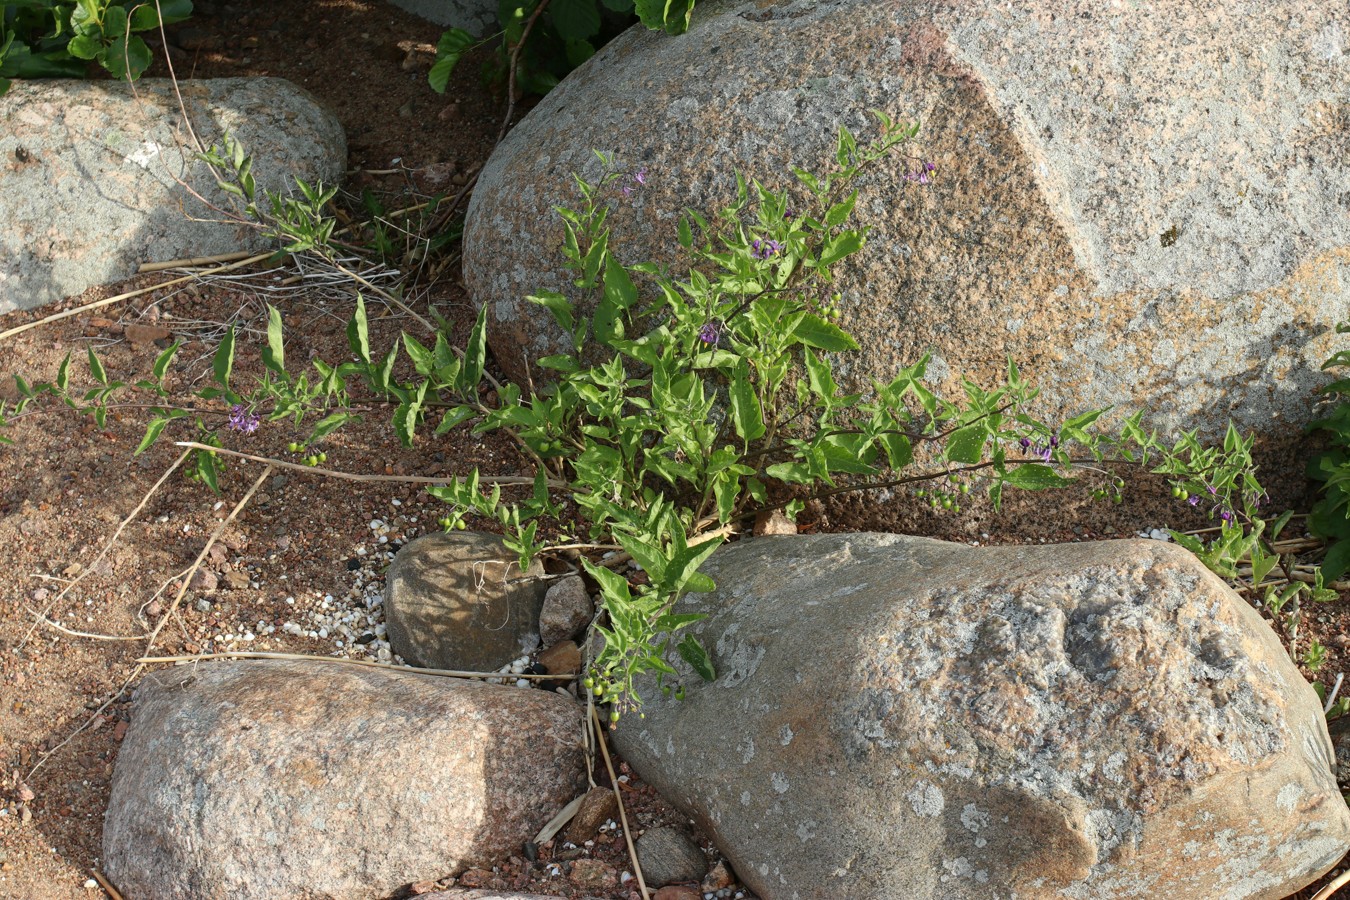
{"type": "Point", "coordinates": [623, 817]}
{"type": "Point", "coordinates": [352, 476]}
{"type": "Point", "coordinates": [1333, 886]}
{"type": "Point", "coordinates": [191, 262]}
{"type": "Point", "coordinates": [515, 63]}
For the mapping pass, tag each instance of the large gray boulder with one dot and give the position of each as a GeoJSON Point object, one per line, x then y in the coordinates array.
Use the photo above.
{"type": "Point", "coordinates": [1140, 209]}
{"type": "Point", "coordinates": [95, 175]}
{"type": "Point", "coordinates": [903, 717]}
{"type": "Point", "coordinates": [268, 779]}
{"type": "Point", "coordinates": [460, 601]}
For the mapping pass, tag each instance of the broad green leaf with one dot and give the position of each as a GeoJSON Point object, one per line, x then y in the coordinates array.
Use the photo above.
{"type": "Point", "coordinates": [839, 247]}
{"type": "Point", "coordinates": [746, 414]}
{"type": "Point", "coordinates": [206, 470]}
{"type": "Point", "coordinates": [115, 21]}
{"type": "Point", "coordinates": [224, 361]}
{"type": "Point", "coordinates": [558, 305]}
{"type": "Point", "coordinates": [575, 20]}
{"type": "Point", "coordinates": [899, 452]}
{"type": "Point", "coordinates": [328, 425]}
{"type": "Point", "coordinates": [619, 288]}
{"type": "Point", "coordinates": [456, 416]}
{"type": "Point", "coordinates": [358, 331]}
{"type": "Point", "coordinates": [424, 361]}
{"type": "Point", "coordinates": [127, 58]}
{"type": "Point", "coordinates": [449, 48]}
{"type": "Point", "coordinates": [692, 652]}
{"type": "Point", "coordinates": [814, 331]}
{"type": "Point", "coordinates": [475, 354]}
{"type": "Point", "coordinates": [1337, 561]}
{"type": "Point", "coordinates": [96, 368]}
{"type": "Point", "coordinates": [563, 362]}
{"type": "Point", "coordinates": [274, 354]}
{"type": "Point", "coordinates": [966, 445]}
{"type": "Point", "coordinates": [1035, 477]}
{"type": "Point", "coordinates": [152, 433]}
{"type": "Point", "coordinates": [839, 213]}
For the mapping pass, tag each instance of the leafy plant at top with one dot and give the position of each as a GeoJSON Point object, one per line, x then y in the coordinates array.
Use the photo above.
{"type": "Point", "coordinates": [1330, 517]}
{"type": "Point", "coordinates": [56, 38]}
{"type": "Point", "coordinates": [566, 34]}
{"type": "Point", "coordinates": [688, 402]}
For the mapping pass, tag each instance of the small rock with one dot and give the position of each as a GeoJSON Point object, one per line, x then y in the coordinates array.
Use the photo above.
{"type": "Point", "coordinates": [593, 875]}
{"type": "Point", "coordinates": [668, 856]}
{"type": "Point", "coordinates": [598, 807]}
{"type": "Point", "coordinates": [563, 658]}
{"type": "Point", "coordinates": [567, 609]}
{"type": "Point", "coordinates": [154, 609]}
{"type": "Point", "coordinates": [145, 334]}
{"type": "Point", "coordinates": [773, 522]}
{"type": "Point", "coordinates": [204, 581]}
{"type": "Point", "coordinates": [718, 877]}
{"type": "Point", "coordinates": [236, 581]}
{"type": "Point", "coordinates": [25, 792]}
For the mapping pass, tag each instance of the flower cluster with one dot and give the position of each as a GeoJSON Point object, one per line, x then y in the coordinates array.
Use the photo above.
{"type": "Point", "coordinates": [763, 249]}
{"type": "Point", "coordinates": [921, 175]}
{"type": "Point", "coordinates": [635, 180]}
{"type": "Point", "coordinates": [709, 333]}
{"type": "Point", "coordinates": [242, 419]}
{"type": "Point", "coordinates": [1045, 451]}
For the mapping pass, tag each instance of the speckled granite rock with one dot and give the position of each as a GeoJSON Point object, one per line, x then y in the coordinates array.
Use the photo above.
{"type": "Point", "coordinates": [1141, 209]}
{"type": "Point", "coordinates": [266, 779]}
{"type": "Point", "coordinates": [459, 601]}
{"type": "Point", "coordinates": [88, 171]}
{"type": "Point", "coordinates": [903, 717]}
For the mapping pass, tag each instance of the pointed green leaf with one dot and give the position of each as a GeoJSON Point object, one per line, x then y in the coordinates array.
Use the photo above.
{"type": "Point", "coordinates": [475, 354]}
{"type": "Point", "coordinates": [274, 355]}
{"type": "Point", "coordinates": [966, 445]}
{"type": "Point", "coordinates": [358, 331]}
{"type": "Point", "coordinates": [96, 368]}
{"type": "Point", "coordinates": [692, 652]}
{"type": "Point", "coordinates": [746, 414]}
{"type": "Point", "coordinates": [814, 331]}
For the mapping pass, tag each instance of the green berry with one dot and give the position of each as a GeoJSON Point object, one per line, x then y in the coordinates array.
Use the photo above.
{"type": "Point", "coordinates": [293, 447]}
{"type": "Point", "coordinates": [599, 689]}
{"type": "Point", "coordinates": [460, 525]}
{"type": "Point", "coordinates": [614, 715]}
{"type": "Point", "coordinates": [323, 457]}
{"type": "Point", "coordinates": [679, 692]}
{"type": "Point", "coordinates": [588, 682]}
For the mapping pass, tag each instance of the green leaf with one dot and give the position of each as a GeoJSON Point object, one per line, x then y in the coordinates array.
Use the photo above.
{"type": "Point", "coordinates": [329, 424]}
{"type": "Point", "coordinates": [692, 652]}
{"type": "Point", "coordinates": [84, 46]}
{"type": "Point", "coordinates": [63, 375]}
{"type": "Point", "coordinates": [96, 368]}
{"type": "Point", "coordinates": [562, 362]}
{"type": "Point", "coordinates": [115, 21]}
{"type": "Point", "coordinates": [449, 48]}
{"type": "Point", "coordinates": [814, 331]}
{"type": "Point", "coordinates": [358, 331]}
{"type": "Point", "coordinates": [898, 449]}
{"type": "Point", "coordinates": [837, 248]}
{"type": "Point", "coordinates": [1035, 477]}
{"type": "Point", "coordinates": [224, 361]}
{"type": "Point", "coordinates": [152, 433]}
{"type": "Point", "coordinates": [746, 414]}
{"type": "Point", "coordinates": [126, 58]}
{"type": "Point", "coordinates": [575, 20]}
{"type": "Point", "coordinates": [453, 417]}
{"type": "Point", "coordinates": [1337, 561]}
{"type": "Point", "coordinates": [206, 470]}
{"type": "Point", "coordinates": [558, 305]}
{"type": "Point", "coordinates": [145, 16]}
{"type": "Point", "coordinates": [475, 354]}
{"type": "Point", "coordinates": [839, 213]}
{"type": "Point", "coordinates": [619, 288]}
{"type": "Point", "coordinates": [966, 445]}
{"type": "Point", "coordinates": [274, 354]}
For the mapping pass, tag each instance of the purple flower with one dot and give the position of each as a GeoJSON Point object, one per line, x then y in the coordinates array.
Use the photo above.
{"type": "Point", "coordinates": [1024, 443]}
{"type": "Point", "coordinates": [1193, 500]}
{"type": "Point", "coordinates": [921, 175]}
{"type": "Point", "coordinates": [1226, 515]}
{"type": "Point", "coordinates": [709, 333]}
{"type": "Point", "coordinates": [1054, 440]}
{"type": "Point", "coordinates": [764, 249]}
{"type": "Point", "coordinates": [241, 419]}
{"type": "Point", "coordinates": [789, 214]}
{"type": "Point", "coordinates": [640, 176]}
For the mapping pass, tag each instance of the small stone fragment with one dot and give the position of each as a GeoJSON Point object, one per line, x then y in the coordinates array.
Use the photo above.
{"type": "Point", "coordinates": [204, 581]}
{"type": "Point", "coordinates": [718, 877]}
{"type": "Point", "coordinates": [563, 658]}
{"type": "Point", "coordinates": [668, 856]}
{"type": "Point", "coordinates": [678, 892]}
{"type": "Point", "coordinates": [145, 334]}
{"type": "Point", "coordinates": [567, 609]}
{"type": "Point", "coordinates": [773, 522]}
{"type": "Point", "coordinates": [593, 875]}
{"type": "Point", "coordinates": [599, 807]}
